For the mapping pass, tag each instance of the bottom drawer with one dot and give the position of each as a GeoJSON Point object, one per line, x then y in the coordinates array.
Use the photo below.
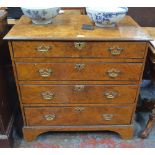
{"type": "Point", "coordinates": [85, 115]}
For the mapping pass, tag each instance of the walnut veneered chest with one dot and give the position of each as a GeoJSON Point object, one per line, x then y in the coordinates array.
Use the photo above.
{"type": "Point", "coordinates": [69, 79]}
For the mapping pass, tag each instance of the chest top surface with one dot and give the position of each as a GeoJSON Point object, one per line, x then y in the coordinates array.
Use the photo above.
{"type": "Point", "coordinates": [151, 31]}
{"type": "Point", "coordinates": [68, 27]}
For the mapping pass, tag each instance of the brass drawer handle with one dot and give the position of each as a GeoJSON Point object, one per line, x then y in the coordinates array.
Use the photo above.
{"type": "Point", "coordinates": [79, 109]}
{"type": "Point", "coordinates": [113, 72]}
{"type": "Point", "coordinates": [43, 49]}
{"type": "Point", "coordinates": [79, 88]}
{"type": "Point", "coordinates": [79, 67]}
{"type": "Point", "coordinates": [115, 50]}
{"type": "Point", "coordinates": [49, 117]}
{"type": "Point", "coordinates": [79, 45]}
{"type": "Point", "coordinates": [47, 95]}
{"type": "Point", "coordinates": [44, 72]}
{"type": "Point", "coordinates": [110, 94]}
{"type": "Point", "coordinates": [107, 117]}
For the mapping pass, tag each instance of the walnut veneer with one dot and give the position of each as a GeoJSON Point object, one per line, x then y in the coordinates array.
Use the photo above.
{"type": "Point", "coordinates": [69, 79]}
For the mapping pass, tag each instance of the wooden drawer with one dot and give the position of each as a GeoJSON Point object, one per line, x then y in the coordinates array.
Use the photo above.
{"type": "Point", "coordinates": [78, 94]}
{"type": "Point", "coordinates": [79, 49]}
{"type": "Point", "coordinates": [79, 71]}
{"type": "Point", "coordinates": [78, 115]}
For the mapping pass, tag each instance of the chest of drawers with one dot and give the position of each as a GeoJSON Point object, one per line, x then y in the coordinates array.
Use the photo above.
{"type": "Point", "coordinates": [69, 79]}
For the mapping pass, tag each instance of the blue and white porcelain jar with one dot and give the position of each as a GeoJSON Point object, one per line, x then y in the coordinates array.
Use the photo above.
{"type": "Point", "coordinates": [106, 17]}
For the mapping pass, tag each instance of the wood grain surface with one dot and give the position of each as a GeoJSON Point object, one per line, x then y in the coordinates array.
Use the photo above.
{"type": "Point", "coordinates": [67, 49]}
{"type": "Point", "coordinates": [71, 116]}
{"type": "Point", "coordinates": [77, 94]}
{"type": "Point", "coordinates": [68, 27]}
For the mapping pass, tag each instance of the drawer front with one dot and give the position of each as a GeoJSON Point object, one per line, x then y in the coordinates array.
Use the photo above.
{"type": "Point", "coordinates": [78, 115]}
{"type": "Point", "coordinates": [78, 94]}
{"type": "Point", "coordinates": [79, 49]}
{"type": "Point", "coordinates": [79, 71]}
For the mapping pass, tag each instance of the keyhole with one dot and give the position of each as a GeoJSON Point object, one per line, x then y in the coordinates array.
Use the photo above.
{"type": "Point", "coordinates": [79, 66]}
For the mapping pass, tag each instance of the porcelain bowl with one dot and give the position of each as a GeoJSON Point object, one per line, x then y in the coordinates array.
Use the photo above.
{"type": "Point", "coordinates": [106, 17]}
{"type": "Point", "coordinates": [41, 15]}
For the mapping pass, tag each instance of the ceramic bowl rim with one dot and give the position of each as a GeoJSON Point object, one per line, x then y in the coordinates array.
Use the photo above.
{"type": "Point", "coordinates": [125, 10]}
{"type": "Point", "coordinates": [39, 9]}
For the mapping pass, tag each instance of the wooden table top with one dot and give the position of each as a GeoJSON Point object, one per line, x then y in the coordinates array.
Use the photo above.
{"type": "Point", "coordinates": [151, 31]}
{"type": "Point", "coordinates": [68, 27]}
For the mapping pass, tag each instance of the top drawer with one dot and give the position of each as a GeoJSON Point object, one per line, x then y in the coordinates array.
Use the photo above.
{"type": "Point", "coordinates": [87, 49]}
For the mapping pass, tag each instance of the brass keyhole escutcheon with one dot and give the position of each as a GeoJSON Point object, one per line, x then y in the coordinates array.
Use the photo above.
{"type": "Point", "coordinates": [79, 109]}
{"type": "Point", "coordinates": [79, 67]}
{"type": "Point", "coordinates": [79, 45]}
{"type": "Point", "coordinates": [79, 88]}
